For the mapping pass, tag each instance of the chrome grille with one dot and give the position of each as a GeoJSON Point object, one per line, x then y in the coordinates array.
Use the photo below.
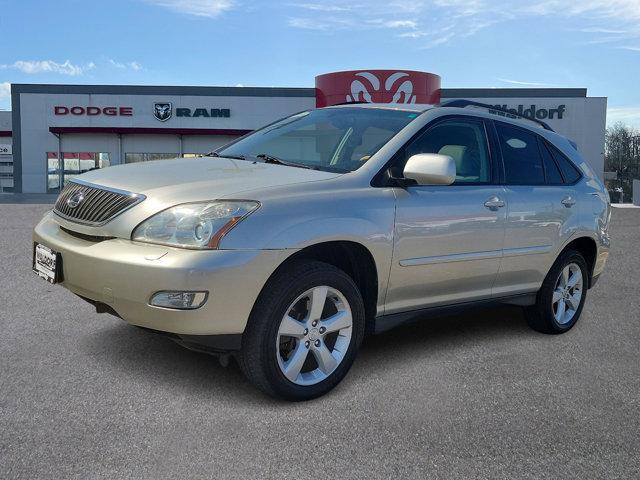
{"type": "Point", "coordinates": [98, 205]}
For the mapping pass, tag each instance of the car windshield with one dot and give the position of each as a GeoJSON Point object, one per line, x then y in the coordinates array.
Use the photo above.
{"type": "Point", "coordinates": [331, 139]}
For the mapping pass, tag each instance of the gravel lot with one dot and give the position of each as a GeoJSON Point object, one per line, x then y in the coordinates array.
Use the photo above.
{"type": "Point", "coordinates": [472, 396]}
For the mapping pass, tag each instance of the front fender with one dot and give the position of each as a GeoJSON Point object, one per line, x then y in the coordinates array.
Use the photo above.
{"type": "Point", "coordinates": [311, 232]}
{"type": "Point", "coordinates": [365, 216]}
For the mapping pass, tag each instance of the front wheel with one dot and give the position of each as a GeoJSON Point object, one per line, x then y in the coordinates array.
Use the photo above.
{"type": "Point", "coordinates": [562, 295]}
{"type": "Point", "coordinates": [304, 331]}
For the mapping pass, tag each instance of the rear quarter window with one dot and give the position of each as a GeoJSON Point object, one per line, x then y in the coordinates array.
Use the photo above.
{"type": "Point", "coordinates": [551, 169]}
{"type": "Point", "coordinates": [569, 171]}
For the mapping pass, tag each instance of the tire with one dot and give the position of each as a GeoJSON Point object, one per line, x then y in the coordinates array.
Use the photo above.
{"type": "Point", "coordinates": [547, 316]}
{"type": "Point", "coordinates": [270, 356]}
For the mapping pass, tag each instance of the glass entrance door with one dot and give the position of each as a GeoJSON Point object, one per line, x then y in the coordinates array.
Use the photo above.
{"type": "Point", "coordinates": [72, 165]}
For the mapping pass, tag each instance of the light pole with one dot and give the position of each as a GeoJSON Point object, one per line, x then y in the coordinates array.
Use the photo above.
{"type": "Point", "coordinates": [635, 152]}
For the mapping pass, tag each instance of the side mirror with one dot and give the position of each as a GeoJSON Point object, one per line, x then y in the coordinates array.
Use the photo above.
{"type": "Point", "coordinates": [431, 169]}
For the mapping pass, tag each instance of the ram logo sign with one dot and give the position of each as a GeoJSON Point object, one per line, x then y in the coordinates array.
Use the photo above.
{"type": "Point", "coordinates": [398, 84]}
{"type": "Point", "coordinates": [377, 86]}
{"type": "Point", "coordinates": [162, 111]}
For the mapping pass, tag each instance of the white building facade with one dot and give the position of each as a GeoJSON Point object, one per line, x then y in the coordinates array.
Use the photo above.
{"type": "Point", "coordinates": [58, 131]}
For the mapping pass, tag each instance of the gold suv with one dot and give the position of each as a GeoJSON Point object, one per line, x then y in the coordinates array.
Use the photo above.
{"type": "Point", "coordinates": [286, 246]}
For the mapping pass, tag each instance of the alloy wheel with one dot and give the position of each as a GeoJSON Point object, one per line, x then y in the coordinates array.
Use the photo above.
{"type": "Point", "coordinates": [567, 294]}
{"type": "Point", "coordinates": [314, 335]}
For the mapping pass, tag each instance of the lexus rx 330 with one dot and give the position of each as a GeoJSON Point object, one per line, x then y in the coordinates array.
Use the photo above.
{"type": "Point", "coordinates": [286, 246]}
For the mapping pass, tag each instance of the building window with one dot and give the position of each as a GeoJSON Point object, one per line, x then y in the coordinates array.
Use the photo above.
{"type": "Point", "coordinates": [147, 157]}
{"type": "Point", "coordinates": [74, 163]}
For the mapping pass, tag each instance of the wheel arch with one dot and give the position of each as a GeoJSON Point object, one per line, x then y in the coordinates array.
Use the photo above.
{"type": "Point", "coordinates": [351, 257]}
{"type": "Point", "coordinates": [588, 248]}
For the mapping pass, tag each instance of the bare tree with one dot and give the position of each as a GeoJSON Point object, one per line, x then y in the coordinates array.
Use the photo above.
{"type": "Point", "coordinates": [622, 155]}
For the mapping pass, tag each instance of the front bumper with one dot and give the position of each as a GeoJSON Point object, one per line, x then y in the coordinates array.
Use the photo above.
{"type": "Point", "coordinates": [124, 275]}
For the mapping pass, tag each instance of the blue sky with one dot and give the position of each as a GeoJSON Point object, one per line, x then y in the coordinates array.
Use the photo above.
{"type": "Point", "coordinates": [470, 43]}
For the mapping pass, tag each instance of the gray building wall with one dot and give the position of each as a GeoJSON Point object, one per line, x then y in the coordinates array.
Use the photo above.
{"type": "Point", "coordinates": [5, 120]}
{"type": "Point", "coordinates": [33, 108]}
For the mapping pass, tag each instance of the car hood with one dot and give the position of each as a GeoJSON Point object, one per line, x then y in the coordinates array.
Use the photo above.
{"type": "Point", "coordinates": [203, 178]}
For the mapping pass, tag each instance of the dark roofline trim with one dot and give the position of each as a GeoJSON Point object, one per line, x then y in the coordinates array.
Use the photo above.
{"type": "Point", "coordinates": [163, 90]}
{"type": "Point", "coordinates": [276, 91]}
{"type": "Point", "coordinates": [5, 133]}
{"type": "Point", "coordinates": [16, 140]}
{"type": "Point", "coordinates": [513, 92]}
{"type": "Point", "coordinates": [150, 131]}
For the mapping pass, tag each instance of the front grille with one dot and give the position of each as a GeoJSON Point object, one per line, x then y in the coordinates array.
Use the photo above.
{"type": "Point", "coordinates": [97, 204]}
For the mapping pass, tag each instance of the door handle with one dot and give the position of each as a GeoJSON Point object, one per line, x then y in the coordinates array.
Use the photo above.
{"type": "Point", "coordinates": [494, 203]}
{"type": "Point", "coordinates": [568, 201]}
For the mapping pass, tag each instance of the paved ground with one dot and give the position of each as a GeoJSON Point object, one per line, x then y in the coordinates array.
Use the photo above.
{"type": "Point", "coordinates": [476, 396]}
{"type": "Point", "coordinates": [27, 198]}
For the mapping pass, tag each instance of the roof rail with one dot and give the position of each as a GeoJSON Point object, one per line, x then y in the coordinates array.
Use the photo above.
{"type": "Point", "coordinates": [493, 109]}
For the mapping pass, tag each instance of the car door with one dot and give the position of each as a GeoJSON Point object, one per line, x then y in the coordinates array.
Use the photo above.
{"type": "Point", "coordinates": [448, 238]}
{"type": "Point", "coordinates": [542, 210]}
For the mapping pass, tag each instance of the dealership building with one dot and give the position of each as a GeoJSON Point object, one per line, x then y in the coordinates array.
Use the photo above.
{"type": "Point", "coordinates": [55, 132]}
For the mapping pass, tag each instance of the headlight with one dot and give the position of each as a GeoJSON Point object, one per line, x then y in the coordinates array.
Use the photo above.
{"type": "Point", "coordinates": [194, 225]}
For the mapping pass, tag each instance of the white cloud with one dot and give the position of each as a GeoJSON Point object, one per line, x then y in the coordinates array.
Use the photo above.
{"type": "Point", "coordinates": [320, 24]}
{"type": "Point", "coordinates": [319, 7]}
{"type": "Point", "coordinates": [135, 66]}
{"type": "Point", "coordinates": [629, 47]}
{"type": "Point", "coordinates": [307, 24]}
{"type": "Point", "coordinates": [405, 6]}
{"type": "Point", "coordinates": [628, 115]}
{"type": "Point", "coordinates": [49, 66]}
{"type": "Point", "coordinates": [463, 7]}
{"type": "Point", "coordinates": [200, 8]}
{"type": "Point", "coordinates": [606, 39]}
{"type": "Point", "coordinates": [524, 84]}
{"type": "Point", "coordinates": [604, 9]}
{"type": "Point", "coordinates": [5, 89]}
{"type": "Point", "coordinates": [400, 24]}
{"type": "Point", "coordinates": [607, 22]}
{"type": "Point", "coordinates": [414, 34]}
{"type": "Point", "coordinates": [438, 40]}
{"type": "Point", "coordinates": [601, 30]}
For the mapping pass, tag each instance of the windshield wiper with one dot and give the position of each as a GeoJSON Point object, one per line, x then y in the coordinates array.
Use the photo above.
{"type": "Point", "coordinates": [278, 161]}
{"type": "Point", "coordinates": [216, 154]}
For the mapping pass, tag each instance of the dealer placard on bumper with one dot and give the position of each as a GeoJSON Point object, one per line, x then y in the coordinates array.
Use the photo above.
{"type": "Point", "coordinates": [45, 262]}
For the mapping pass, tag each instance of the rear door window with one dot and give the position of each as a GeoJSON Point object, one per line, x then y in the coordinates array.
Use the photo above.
{"type": "Point", "coordinates": [523, 163]}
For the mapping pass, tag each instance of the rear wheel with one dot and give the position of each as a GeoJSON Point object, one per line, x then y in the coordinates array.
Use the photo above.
{"type": "Point", "coordinates": [304, 331]}
{"type": "Point", "coordinates": [562, 296]}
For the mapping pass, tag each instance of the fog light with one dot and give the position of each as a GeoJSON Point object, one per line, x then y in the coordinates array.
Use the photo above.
{"type": "Point", "coordinates": [179, 300]}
